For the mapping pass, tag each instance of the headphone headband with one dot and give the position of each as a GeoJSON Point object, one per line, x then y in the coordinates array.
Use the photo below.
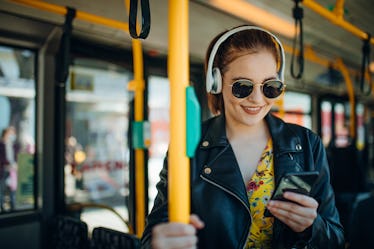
{"type": "Point", "coordinates": [213, 75]}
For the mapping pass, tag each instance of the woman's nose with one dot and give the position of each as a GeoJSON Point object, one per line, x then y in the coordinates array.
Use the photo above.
{"type": "Point", "coordinates": [256, 92]}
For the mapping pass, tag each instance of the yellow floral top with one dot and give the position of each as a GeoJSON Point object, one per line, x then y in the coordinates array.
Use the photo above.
{"type": "Point", "coordinates": [259, 190]}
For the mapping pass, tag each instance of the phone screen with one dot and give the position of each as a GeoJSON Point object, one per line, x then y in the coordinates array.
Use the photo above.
{"type": "Point", "coordinates": [300, 182]}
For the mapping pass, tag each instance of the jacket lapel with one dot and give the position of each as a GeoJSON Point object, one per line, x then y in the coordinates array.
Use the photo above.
{"type": "Point", "coordinates": [221, 168]}
{"type": "Point", "coordinates": [286, 145]}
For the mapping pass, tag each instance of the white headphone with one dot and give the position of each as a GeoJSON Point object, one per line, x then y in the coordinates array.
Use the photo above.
{"type": "Point", "coordinates": [213, 75]}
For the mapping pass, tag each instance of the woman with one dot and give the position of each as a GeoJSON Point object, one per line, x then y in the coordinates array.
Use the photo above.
{"type": "Point", "coordinates": [243, 154]}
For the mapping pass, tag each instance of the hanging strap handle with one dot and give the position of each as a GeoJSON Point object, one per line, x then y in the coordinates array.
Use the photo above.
{"type": "Point", "coordinates": [145, 16]}
{"type": "Point", "coordinates": [365, 66]}
{"type": "Point", "coordinates": [298, 14]}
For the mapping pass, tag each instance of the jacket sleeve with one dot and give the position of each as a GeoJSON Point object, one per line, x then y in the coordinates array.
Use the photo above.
{"type": "Point", "coordinates": [159, 213]}
{"type": "Point", "coordinates": [326, 232]}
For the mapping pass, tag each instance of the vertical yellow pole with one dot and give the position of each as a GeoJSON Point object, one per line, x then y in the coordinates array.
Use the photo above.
{"type": "Point", "coordinates": [178, 70]}
{"type": "Point", "coordinates": [137, 85]}
{"type": "Point", "coordinates": [139, 153]}
{"type": "Point", "coordinates": [339, 9]}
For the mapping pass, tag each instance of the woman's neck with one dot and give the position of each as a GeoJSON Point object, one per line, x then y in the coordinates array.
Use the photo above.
{"type": "Point", "coordinates": [246, 132]}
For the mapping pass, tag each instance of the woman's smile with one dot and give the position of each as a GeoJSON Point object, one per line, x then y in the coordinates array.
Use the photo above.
{"type": "Point", "coordinates": [252, 110]}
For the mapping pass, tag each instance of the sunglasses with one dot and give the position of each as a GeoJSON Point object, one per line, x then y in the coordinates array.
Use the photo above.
{"type": "Point", "coordinates": [270, 88]}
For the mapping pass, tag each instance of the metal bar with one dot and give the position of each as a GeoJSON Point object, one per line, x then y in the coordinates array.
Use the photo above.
{"type": "Point", "coordinates": [178, 70]}
{"type": "Point", "coordinates": [339, 21]}
{"type": "Point", "coordinates": [339, 9]}
{"type": "Point", "coordinates": [312, 56]}
{"type": "Point", "coordinates": [139, 153]}
{"type": "Point", "coordinates": [137, 85]}
{"type": "Point", "coordinates": [84, 16]}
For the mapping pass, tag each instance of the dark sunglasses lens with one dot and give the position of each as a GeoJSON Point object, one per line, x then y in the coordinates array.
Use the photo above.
{"type": "Point", "coordinates": [242, 89]}
{"type": "Point", "coordinates": [272, 89]}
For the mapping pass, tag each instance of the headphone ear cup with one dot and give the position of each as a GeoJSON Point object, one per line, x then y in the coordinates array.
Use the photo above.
{"type": "Point", "coordinates": [217, 81]}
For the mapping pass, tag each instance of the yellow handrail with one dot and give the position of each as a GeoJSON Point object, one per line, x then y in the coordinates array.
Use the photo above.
{"type": "Point", "coordinates": [311, 55]}
{"type": "Point", "coordinates": [79, 14]}
{"type": "Point", "coordinates": [137, 85]}
{"type": "Point", "coordinates": [178, 70]}
{"type": "Point", "coordinates": [139, 153]}
{"type": "Point", "coordinates": [336, 18]}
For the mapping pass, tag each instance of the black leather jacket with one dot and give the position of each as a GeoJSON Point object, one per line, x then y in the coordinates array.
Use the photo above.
{"type": "Point", "coordinates": [218, 194]}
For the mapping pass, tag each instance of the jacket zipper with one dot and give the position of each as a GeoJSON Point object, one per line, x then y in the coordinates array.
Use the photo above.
{"type": "Point", "coordinates": [232, 194]}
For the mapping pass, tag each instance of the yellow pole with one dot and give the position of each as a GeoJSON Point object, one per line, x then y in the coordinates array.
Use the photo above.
{"type": "Point", "coordinates": [178, 70]}
{"type": "Point", "coordinates": [339, 9]}
{"type": "Point", "coordinates": [310, 55]}
{"type": "Point", "coordinates": [336, 19]}
{"type": "Point", "coordinates": [137, 85]}
{"type": "Point", "coordinates": [139, 153]}
{"type": "Point", "coordinates": [79, 14]}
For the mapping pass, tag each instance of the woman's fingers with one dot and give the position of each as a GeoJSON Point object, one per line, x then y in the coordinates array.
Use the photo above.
{"type": "Point", "coordinates": [173, 235]}
{"type": "Point", "coordinates": [176, 235]}
{"type": "Point", "coordinates": [196, 222]}
{"type": "Point", "coordinates": [301, 199]}
{"type": "Point", "coordinates": [299, 214]}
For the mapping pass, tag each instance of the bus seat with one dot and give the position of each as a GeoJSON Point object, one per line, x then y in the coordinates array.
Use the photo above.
{"type": "Point", "coordinates": [361, 223]}
{"type": "Point", "coordinates": [70, 233]}
{"type": "Point", "coordinates": [346, 170]}
{"type": "Point", "coordinates": [105, 238]}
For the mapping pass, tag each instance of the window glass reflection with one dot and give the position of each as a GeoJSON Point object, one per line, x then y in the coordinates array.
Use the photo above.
{"type": "Point", "coordinates": [159, 106]}
{"type": "Point", "coordinates": [17, 125]}
{"type": "Point", "coordinates": [294, 108]}
{"type": "Point", "coordinates": [96, 152]}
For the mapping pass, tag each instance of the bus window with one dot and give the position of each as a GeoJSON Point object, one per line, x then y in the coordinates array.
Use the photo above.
{"type": "Point", "coordinates": [341, 118]}
{"type": "Point", "coordinates": [360, 141]}
{"type": "Point", "coordinates": [297, 107]}
{"type": "Point", "coordinates": [326, 122]}
{"type": "Point", "coordinates": [17, 125]}
{"type": "Point", "coordinates": [159, 102]}
{"type": "Point", "coordinates": [96, 152]}
{"type": "Point", "coordinates": [339, 112]}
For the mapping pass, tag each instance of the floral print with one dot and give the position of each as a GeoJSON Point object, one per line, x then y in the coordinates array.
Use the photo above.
{"type": "Point", "coordinates": [259, 190]}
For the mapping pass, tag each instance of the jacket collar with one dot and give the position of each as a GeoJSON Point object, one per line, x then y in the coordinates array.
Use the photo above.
{"type": "Point", "coordinates": [284, 139]}
{"type": "Point", "coordinates": [215, 134]}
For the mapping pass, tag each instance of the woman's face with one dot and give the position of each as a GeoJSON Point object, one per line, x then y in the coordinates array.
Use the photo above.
{"type": "Point", "coordinates": [257, 67]}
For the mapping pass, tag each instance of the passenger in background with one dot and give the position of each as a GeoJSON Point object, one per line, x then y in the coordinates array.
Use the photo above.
{"type": "Point", "coordinates": [8, 167]}
{"type": "Point", "coordinates": [361, 230]}
{"type": "Point", "coordinates": [243, 153]}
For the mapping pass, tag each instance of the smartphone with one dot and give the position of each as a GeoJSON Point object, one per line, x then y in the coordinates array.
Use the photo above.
{"type": "Point", "coordinates": [298, 182]}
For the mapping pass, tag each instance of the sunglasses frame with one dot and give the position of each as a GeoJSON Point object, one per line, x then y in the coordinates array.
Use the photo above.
{"type": "Point", "coordinates": [249, 83]}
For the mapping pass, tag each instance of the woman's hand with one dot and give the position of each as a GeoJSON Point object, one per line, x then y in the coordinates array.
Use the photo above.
{"type": "Point", "coordinates": [298, 215]}
{"type": "Point", "coordinates": [176, 235]}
